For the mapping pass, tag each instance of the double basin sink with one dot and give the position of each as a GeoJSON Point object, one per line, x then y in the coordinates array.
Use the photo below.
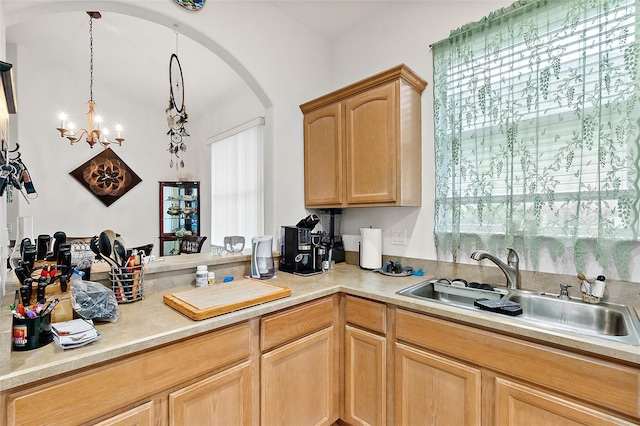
{"type": "Point", "coordinates": [610, 321]}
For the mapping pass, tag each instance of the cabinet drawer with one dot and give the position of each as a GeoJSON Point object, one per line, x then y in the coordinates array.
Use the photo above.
{"type": "Point", "coordinates": [293, 323]}
{"type": "Point", "coordinates": [106, 389]}
{"type": "Point", "coordinates": [366, 314]}
{"type": "Point", "coordinates": [600, 382]}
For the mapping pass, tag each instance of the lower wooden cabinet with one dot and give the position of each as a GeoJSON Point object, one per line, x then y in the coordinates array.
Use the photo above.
{"type": "Point", "coordinates": [518, 404]}
{"type": "Point", "coordinates": [365, 372]}
{"type": "Point", "coordinates": [299, 366]}
{"type": "Point", "coordinates": [298, 382]}
{"type": "Point", "coordinates": [222, 399]}
{"type": "Point", "coordinates": [433, 390]}
{"type": "Point", "coordinates": [307, 365]}
{"type": "Point", "coordinates": [106, 392]}
{"type": "Point", "coordinates": [449, 373]}
{"type": "Point", "coordinates": [365, 389]}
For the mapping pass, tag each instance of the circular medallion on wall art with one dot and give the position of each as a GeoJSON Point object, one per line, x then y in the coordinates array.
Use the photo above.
{"type": "Point", "coordinates": [194, 5]}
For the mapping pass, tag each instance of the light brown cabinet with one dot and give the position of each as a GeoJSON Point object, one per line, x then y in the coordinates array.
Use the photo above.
{"type": "Point", "coordinates": [299, 367]}
{"type": "Point", "coordinates": [434, 390]}
{"type": "Point", "coordinates": [222, 399]}
{"type": "Point", "coordinates": [518, 404]}
{"type": "Point", "coordinates": [365, 362]}
{"type": "Point", "coordinates": [458, 363]}
{"type": "Point", "coordinates": [134, 389]}
{"type": "Point", "coordinates": [362, 143]}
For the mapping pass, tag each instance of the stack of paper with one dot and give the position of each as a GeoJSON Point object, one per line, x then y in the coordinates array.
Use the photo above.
{"type": "Point", "coordinates": [74, 333]}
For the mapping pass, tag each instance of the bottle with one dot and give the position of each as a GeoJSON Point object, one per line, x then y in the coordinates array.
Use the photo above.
{"type": "Point", "coordinates": [77, 276]}
{"type": "Point", "coordinates": [202, 276]}
{"type": "Point", "coordinates": [211, 278]}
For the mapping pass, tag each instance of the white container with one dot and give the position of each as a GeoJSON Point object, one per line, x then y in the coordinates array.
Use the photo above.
{"type": "Point", "coordinates": [211, 278]}
{"type": "Point", "coordinates": [202, 276]}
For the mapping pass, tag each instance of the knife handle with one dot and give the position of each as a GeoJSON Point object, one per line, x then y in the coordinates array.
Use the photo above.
{"type": "Point", "coordinates": [42, 285]}
{"type": "Point", "coordinates": [25, 292]}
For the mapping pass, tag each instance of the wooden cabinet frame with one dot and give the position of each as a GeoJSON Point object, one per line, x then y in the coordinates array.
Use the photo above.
{"type": "Point", "coordinates": [393, 348]}
{"type": "Point", "coordinates": [363, 143]}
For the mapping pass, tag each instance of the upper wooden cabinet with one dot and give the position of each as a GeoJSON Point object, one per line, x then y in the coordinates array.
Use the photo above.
{"type": "Point", "coordinates": [362, 143]}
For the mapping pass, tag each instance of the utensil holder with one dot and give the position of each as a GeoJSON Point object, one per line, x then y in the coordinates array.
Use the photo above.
{"type": "Point", "coordinates": [31, 333]}
{"type": "Point", "coordinates": [126, 283]}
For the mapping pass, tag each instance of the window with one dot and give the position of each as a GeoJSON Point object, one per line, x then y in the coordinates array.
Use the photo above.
{"type": "Point", "coordinates": [536, 116]}
{"type": "Point", "coordinates": [237, 205]}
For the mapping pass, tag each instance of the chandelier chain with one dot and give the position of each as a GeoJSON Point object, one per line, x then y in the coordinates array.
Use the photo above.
{"type": "Point", "coordinates": [91, 59]}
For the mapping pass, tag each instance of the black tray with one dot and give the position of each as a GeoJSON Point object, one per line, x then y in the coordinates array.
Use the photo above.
{"type": "Point", "coordinates": [501, 306]}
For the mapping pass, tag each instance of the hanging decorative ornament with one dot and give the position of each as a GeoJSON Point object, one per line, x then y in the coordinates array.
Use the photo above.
{"type": "Point", "coordinates": [176, 114]}
{"type": "Point", "coordinates": [194, 5]}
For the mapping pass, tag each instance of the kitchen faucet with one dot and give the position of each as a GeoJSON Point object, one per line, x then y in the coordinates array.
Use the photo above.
{"type": "Point", "coordinates": [511, 269]}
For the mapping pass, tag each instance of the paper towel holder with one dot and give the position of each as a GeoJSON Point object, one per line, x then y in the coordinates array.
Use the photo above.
{"type": "Point", "coordinates": [360, 248]}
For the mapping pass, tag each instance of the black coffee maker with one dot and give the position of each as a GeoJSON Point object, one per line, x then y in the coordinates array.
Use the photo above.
{"type": "Point", "coordinates": [301, 251]}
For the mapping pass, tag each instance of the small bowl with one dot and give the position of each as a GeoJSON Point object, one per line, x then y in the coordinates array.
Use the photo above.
{"type": "Point", "coordinates": [234, 244]}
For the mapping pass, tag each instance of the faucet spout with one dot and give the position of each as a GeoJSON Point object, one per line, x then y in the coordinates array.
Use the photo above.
{"type": "Point", "coordinates": [511, 269]}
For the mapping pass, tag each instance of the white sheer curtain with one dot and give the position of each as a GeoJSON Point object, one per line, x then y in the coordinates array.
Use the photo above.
{"type": "Point", "coordinates": [237, 184]}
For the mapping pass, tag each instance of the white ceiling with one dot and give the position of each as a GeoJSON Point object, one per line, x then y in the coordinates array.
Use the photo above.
{"type": "Point", "coordinates": [146, 47]}
{"type": "Point", "coordinates": [330, 18]}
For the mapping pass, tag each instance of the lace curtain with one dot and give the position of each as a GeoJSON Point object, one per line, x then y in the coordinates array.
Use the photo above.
{"type": "Point", "coordinates": [536, 132]}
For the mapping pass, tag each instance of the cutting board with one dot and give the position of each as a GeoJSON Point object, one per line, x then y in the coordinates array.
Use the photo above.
{"type": "Point", "coordinates": [206, 302]}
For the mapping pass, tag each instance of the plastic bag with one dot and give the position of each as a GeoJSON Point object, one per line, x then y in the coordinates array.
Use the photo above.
{"type": "Point", "coordinates": [92, 300]}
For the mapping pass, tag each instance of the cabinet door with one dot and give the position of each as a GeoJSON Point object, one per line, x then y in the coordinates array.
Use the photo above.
{"type": "Point", "coordinates": [222, 399]}
{"type": "Point", "coordinates": [432, 390]}
{"type": "Point", "coordinates": [518, 405]}
{"type": "Point", "coordinates": [299, 382]}
{"type": "Point", "coordinates": [323, 157]}
{"type": "Point", "coordinates": [365, 377]}
{"type": "Point", "coordinates": [143, 415]}
{"type": "Point", "coordinates": [371, 146]}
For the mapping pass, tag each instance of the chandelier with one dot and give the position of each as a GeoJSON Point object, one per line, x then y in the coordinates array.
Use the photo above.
{"type": "Point", "coordinates": [95, 132]}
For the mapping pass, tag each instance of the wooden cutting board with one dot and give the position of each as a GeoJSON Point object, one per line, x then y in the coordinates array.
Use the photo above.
{"type": "Point", "coordinates": [206, 302]}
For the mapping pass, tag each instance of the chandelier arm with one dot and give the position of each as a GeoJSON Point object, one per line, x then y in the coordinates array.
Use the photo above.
{"type": "Point", "coordinates": [77, 136]}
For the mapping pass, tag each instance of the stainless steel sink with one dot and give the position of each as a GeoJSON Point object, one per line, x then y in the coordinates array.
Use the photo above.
{"type": "Point", "coordinates": [609, 321]}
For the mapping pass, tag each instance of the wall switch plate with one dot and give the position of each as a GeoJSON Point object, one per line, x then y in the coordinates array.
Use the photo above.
{"type": "Point", "coordinates": [399, 237]}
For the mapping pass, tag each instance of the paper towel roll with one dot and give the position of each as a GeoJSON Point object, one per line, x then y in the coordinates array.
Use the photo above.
{"type": "Point", "coordinates": [371, 248]}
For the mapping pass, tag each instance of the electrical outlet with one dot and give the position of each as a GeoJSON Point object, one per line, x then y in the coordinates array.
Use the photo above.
{"type": "Point", "coordinates": [399, 237]}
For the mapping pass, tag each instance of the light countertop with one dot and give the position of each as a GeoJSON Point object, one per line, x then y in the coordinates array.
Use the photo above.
{"type": "Point", "coordinates": [149, 323]}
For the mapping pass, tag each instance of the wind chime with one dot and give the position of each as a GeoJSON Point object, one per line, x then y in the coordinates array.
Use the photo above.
{"type": "Point", "coordinates": [176, 112]}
